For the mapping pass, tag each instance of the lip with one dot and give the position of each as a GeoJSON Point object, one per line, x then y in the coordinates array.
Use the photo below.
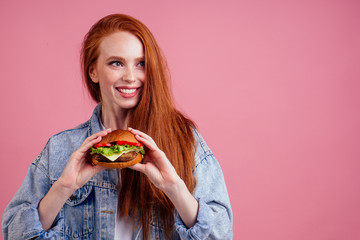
{"type": "Point", "coordinates": [128, 92]}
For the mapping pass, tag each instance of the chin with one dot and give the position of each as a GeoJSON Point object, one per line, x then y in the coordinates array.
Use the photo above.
{"type": "Point", "coordinates": [128, 106]}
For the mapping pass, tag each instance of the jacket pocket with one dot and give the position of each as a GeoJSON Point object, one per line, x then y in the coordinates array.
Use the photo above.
{"type": "Point", "coordinates": [79, 214]}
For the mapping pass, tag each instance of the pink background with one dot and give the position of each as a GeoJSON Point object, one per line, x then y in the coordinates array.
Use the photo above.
{"type": "Point", "coordinates": [273, 86]}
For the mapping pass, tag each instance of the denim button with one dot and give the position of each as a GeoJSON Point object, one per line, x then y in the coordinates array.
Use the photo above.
{"type": "Point", "coordinates": [72, 197]}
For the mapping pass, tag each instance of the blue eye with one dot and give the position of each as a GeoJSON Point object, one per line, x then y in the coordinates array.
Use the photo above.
{"type": "Point", "coordinates": [141, 64]}
{"type": "Point", "coordinates": [116, 63]}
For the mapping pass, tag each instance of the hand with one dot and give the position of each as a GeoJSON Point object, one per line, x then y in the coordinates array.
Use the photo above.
{"type": "Point", "coordinates": [155, 164]}
{"type": "Point", "coordinates": [79, 170]}
{"type": "Point", "coordinates": [163, 175]}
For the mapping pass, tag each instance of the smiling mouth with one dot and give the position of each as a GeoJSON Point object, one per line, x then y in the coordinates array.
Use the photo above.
{"type": "Point", "coordinates": [126, 90]}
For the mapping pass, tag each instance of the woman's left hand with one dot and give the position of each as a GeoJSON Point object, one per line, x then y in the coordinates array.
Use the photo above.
{"type": "Point", "coordinates": [163, 175]}
{"type": "Point", "coordinates": [156, 165]}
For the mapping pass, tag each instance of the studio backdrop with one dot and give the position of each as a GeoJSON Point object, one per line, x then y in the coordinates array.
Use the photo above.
{"type": "Point", "coordinates": [274, 87]}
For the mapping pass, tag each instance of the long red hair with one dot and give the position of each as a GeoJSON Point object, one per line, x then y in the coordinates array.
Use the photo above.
{"type": "Point", "coordinates": [155, 115]}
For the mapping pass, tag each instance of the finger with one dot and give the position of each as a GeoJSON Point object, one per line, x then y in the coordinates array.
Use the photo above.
{"type": "Point", "coordinates": [96, 135]}
{"type": "Point", "coordinates": [140, 133]}
{"type": "Point", "coordinates": [138, 167]}
{"type": "Point", "coordinates": [101, 133]}
{"type": "Point", "coordinates": [93, 139]}
{"type": "Point", "coordinates": [149, 143]}
{"type": "Point", "coordinates": [144, 138]}
{"type": "Point", "coordinates": [98, 168]}
{"type": "Point", "coordinates": [87, 145]}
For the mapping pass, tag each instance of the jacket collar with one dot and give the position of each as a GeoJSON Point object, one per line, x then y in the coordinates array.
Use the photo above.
{"type": "Point", "coordinates": [95, 120]}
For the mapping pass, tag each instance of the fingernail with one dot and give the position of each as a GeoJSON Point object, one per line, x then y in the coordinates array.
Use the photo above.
{"type": "Point", "coordinates": [129, 128]}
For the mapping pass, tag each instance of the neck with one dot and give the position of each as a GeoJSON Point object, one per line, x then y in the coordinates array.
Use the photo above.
{"type": "Point", "coordinates": [115, 118]}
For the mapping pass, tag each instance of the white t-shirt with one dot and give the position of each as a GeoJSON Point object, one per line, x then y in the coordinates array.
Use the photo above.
{"type": "Point", "coordinates": [123, 226]}
{"type": "Point", "coordinates": [123, 229]}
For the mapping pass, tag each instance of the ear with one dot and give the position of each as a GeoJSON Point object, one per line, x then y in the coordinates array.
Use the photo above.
{"type": "Point", "coordinates": [93, 74]}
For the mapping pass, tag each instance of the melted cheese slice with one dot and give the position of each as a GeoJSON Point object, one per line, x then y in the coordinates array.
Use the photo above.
{"type": "Point", "coordinates": [116, 155]}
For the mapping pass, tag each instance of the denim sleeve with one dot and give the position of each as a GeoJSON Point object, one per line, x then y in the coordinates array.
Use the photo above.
{"type": "Point", "coordinates": [20, 219]}
{"type": "Point", "coordinates": [214, 220]}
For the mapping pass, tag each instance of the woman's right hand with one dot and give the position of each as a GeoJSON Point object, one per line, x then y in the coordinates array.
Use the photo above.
{"type": "Point", "coordinates": [76, 173]}
{"type": "Point", "coordinates": [79, 169]}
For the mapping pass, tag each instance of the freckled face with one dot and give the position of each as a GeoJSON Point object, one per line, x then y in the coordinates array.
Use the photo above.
{"type": "Point", "coordinates": [119, 70]}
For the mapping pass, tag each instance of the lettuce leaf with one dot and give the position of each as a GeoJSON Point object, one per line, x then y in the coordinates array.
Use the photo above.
{"type": "Point", "coordinates": [108, 151]}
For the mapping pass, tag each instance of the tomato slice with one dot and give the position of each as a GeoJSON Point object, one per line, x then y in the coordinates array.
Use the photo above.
{"type": "Point", "coordinates": [102, 145]}
{"type": "Point", "coordinates": [129, 143]}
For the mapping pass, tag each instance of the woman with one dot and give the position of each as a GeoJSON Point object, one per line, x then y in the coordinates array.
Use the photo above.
{"type": "Point", "coordinates": [178, 191]}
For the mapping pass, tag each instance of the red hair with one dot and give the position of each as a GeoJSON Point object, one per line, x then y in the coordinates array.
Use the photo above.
{"type": "Point", "coordinates": [155, 115]}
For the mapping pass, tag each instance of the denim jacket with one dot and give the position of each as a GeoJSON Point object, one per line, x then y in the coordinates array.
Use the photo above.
{"type": "Point", "coordinates": [90, 212]}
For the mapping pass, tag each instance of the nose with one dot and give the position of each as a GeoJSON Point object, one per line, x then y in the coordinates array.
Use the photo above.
{"type": "Point", "coordinates": [129, 75]}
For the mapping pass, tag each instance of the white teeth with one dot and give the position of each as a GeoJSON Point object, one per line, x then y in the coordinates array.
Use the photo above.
{"type": "Point", "coordinates": [127, 91]}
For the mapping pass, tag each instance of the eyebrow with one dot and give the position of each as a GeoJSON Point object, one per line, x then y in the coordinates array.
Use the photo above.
{"type": "Point", "coordinates": [123, 59]}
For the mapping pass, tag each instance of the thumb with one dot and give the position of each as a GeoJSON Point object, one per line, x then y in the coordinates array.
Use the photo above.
{"type": "Point", "coordinates": [138, 167]}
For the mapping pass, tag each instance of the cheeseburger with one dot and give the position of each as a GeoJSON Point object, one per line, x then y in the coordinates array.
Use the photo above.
{"type": "Point", "coordinates": [118, 149]}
